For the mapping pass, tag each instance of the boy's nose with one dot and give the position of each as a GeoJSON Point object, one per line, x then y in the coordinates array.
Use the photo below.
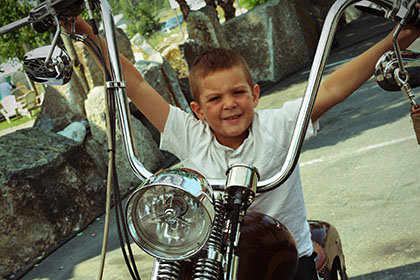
{"type": "Point", "coordinates": [229, 103]}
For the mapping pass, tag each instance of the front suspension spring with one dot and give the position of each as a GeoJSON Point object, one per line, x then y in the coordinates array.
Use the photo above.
{"type": "Point", "coordinates": [206, 269]}
{"type": "Point", "coordinates": [216, 236]}
{"type": "Point", "coordinates": [168, 270]}
{"type": "Point", "coordinates": [209, 267]}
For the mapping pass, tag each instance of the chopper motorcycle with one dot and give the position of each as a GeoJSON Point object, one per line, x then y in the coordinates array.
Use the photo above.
{"type": "Point", "coordinates": [196, 227]}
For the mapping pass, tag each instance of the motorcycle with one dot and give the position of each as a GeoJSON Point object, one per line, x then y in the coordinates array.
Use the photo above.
{"type": "Point", "coordinates": [196, 227]}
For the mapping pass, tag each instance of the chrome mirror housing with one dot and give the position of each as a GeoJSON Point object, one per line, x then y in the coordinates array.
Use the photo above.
{"type": "Point", "coordinates": [56, 70]}
{"type": "Point", "coordinates": [388, 63]}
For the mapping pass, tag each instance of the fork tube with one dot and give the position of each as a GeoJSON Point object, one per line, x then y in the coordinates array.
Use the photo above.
{"type": "Point", "coordinates": [118, 84]}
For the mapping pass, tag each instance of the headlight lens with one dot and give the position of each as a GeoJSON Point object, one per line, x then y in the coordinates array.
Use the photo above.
{"type": "Point", "coordinates": [171, 215]}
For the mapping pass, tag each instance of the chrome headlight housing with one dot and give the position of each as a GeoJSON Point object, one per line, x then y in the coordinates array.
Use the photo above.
{"type": "Point", "coordinates": [170, 216]}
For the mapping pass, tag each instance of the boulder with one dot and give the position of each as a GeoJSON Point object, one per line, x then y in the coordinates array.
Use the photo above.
{"type": "Point", "coordinates": [124, 45]}
{"type": "Point", "coordinates": [204, 33]}
{"type": "Point", "coordinates": [272, 40]}
{"type": "Point", "coordinates": [75, 131]}
{"type": "Point", "coordinates": [62, 105]}
{"type": "Point", "coordinates": [49, 189]}
{"type": "Point", "coordinates": [141, 48]}
{"type": "Point", "coordinates": [174, 56]}
{"type": "Point", "coordinates": [93, 73]}
{"type": "Point", "coordinates": [97, 145]}
{"type": "Point", "coordinates": [162, 77]}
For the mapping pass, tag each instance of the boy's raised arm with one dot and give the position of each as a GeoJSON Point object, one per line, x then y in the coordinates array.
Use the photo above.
{"type": "Point", "coordinates": [149, 102]}
{"type": "Point", "coordinates": [348, 78]}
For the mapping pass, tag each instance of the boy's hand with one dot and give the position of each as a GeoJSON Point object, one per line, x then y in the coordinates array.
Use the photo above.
{"type": "Point", "coordinates": [147, 100]}
{"type": "Point", "coordinates": [344, 81]}
{"type": "Point", "coordinates": [406, 37]}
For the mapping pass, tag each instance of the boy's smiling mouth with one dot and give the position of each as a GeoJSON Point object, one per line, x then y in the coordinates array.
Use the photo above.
{"type": "Point", "coordinates": [232, 118]}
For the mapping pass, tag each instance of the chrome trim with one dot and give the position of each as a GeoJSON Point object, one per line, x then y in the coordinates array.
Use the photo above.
{"type": "Point", "coordinates": [191, 184]}
{"type": "Point", "coordinates": [121, 95]}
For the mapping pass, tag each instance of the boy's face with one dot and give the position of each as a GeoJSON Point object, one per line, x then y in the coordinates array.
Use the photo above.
{"type": "Point", "coordinates": [227, 103]}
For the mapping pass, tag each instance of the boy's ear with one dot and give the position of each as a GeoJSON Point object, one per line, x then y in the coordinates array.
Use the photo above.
{"type": "Point", "coordinates": [196, 108]}
{"type": "Point", "coordinates": [255, 94]}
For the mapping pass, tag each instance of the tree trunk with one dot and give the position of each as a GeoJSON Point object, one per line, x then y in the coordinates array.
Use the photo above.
{"type": "Point", "coordinates": [211, 3]}
{"type": "Point", "coordinates": [185, 9]}
{"type": "Point", "coordinates": [227, 6]}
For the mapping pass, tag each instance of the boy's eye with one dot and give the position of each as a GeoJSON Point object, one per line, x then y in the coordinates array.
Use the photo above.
{"type": "Point", "coordinates": [238, 92]}
{"type": "Point", "coordinates": [215, 98]}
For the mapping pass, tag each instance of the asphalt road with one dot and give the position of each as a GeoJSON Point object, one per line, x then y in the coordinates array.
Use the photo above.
{"type": "Point", "coordinates": [361, 174]}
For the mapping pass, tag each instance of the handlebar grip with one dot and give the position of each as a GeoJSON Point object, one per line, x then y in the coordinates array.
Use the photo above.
{"type": "Point", "coordinates": [413, 18]}
{"type": "Point", "coordinates": [43, 25]}
{"type": "Point", "coordinates": [14, 25]}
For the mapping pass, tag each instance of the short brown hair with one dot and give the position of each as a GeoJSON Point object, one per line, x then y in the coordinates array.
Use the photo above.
{"type": "Point", "coordinates": [215, 60]}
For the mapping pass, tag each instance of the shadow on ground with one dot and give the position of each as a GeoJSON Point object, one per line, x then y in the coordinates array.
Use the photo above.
{"type": "Point", "coordinates": [406, 272]}
{"type": "Point", "coordinates": [370, 104]}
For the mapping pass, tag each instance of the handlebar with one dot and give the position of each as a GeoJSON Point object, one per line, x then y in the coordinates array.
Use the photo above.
{"type": "Point", "coordinates": [305, 111]}
{"type": "Point", "coordinates": [41, 17]}
{"type": "Point", "coordinates": [70, 8]}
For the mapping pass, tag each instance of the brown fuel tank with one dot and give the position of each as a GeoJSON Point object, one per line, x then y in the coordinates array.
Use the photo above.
{"type": "Point", "coordinates": [267, 250]}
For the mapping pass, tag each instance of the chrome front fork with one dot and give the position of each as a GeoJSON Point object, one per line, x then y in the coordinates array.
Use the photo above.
{"type": "Point", "coordinates": [208, 264]}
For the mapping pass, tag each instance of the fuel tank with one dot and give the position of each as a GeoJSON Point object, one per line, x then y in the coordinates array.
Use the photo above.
{"type": "Point", "coordinates": [267, 250]}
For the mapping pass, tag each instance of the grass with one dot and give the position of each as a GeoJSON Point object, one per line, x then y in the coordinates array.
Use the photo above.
{"type": "Point", "coordinates": [15, 121]}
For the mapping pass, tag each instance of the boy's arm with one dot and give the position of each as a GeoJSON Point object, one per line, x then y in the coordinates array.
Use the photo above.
{"type": "Point", "coordinates": [348, 78]}
{"type": "Point", "coordinates": [149, 102]}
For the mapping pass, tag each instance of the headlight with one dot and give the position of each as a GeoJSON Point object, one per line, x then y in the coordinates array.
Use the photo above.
{"type": "Point", "coordinates": [171, 215]}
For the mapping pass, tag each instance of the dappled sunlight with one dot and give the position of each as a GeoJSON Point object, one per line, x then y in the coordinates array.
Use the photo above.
{"type": "Point", "coordinates": [115, 267]}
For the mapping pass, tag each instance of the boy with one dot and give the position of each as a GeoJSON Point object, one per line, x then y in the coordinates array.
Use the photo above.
{"type": "Point", "coordinates": [229, 131]}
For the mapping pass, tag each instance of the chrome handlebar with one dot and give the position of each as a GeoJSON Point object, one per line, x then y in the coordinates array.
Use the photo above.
{"type": "Point", "coordinates": [321, 55]}
{"type": "Point", "coordinates": [393, 10]}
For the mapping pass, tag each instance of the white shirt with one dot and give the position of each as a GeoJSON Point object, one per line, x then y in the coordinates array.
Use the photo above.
{"type": "Point", "coordinates": [193, 142]}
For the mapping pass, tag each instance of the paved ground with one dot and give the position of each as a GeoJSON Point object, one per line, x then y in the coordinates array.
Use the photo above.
{"type": "Point", "coordinates": [360, 174]}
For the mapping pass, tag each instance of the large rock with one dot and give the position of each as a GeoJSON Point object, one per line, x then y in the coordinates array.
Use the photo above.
{"type": "Point", "coordinates": [62, 105]}
{"type": "Point", "coordinates": [49, 189]}
{"type": "Point", "coordinates": [272, 40]}
{"type": "Point", "coordinates": [204, 33]}
{"type": "Point", "coordinates": [97, 145]}
{"type": "Point", "coordinates": [93, 73]}
{"type": "Point", "coordinates": [162, 77]}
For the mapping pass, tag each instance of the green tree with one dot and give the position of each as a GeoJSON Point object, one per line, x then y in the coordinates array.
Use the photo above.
{"type": "Point", "coordinates": [249, 4]}
{"type": "Point", "coordinates": [142, 15]}
{"type": "Point", "coordinates": [18, 42]}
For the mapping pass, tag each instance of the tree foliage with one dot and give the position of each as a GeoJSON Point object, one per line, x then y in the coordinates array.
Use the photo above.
{"type": "Point", "coordinates": [142, 15]}
{"type": "Point", "coordinates": [249, 4]}
{"type": "Point", "coordinates": [17, 43]}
